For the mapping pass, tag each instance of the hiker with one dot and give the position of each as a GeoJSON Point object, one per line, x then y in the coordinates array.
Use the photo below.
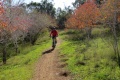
{"type": "Point", "coordinates": [54, 34]}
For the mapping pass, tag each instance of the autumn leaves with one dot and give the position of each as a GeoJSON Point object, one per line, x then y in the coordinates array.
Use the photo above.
{"type": "Point", "coordinates": [18, 24]}
{"type": "Point", "coordinates": [84, 16]}
{"type": "Point", "coordinates": [90, 13]}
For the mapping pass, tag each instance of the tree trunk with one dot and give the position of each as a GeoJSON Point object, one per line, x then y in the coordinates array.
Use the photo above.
{"type": "Point", "coordinates": [16, 50]}
{"type": "Point", "coordinates": [33, 41]}
{"type": "Point", "coordinates": [16, 47]}
{"type": "Point", "coordinates": [116, 50]}
{"type": "Point", "coordinates": [88, 32]}
{"type": "Point", "coordinates": [4, 55]}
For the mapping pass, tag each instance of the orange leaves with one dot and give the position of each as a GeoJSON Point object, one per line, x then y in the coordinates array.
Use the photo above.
{"type": "Point", "coordinates": [71, 22]}
{"type": "Point", "coordinates": [88, 14]}
{"type": "Point", "coordinates": [1, 8]}
{"type": "Point", "coordinates": [108, 10]}
{"type": "Point", "coordinates": [3, 24]}
{"type": "Point", "coordinates": [85, 15]}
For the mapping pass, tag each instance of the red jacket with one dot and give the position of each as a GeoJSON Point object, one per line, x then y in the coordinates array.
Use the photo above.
{"type": "Point", "coordinates": [54, 33]}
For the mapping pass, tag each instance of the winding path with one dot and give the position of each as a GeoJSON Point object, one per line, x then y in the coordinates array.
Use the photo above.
{"type": "Point", "coordinates": [48, 66]}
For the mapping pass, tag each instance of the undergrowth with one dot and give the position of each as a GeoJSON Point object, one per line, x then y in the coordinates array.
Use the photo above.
{"type": "Point", "coordinates": [92, 59]}
{"type": "Point", "coordinates": [21, 65]}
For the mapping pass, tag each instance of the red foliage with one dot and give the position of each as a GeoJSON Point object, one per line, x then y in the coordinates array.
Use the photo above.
{"type": "Point", "coordinates": [85, 15]}
{"type": "Point", "coordinates": [108, 9]}
{"type": "Point", "coordinates": [15, 20]}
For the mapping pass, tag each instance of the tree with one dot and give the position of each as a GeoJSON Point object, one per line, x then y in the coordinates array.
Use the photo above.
{"type": "Point", "coordinates": [62, 16]}
{"type": "Point", "coordinates": [44, 7]}
{"type": "Point", "coordinates": [77, 3]}
{"type": "Point", "coordinates": [16, 23]}
{"type": "Point", "coordinates": [4, 31]}
{"type": "Point", "coordinates": [110, 12]}
{"type": "Point", "coordinates": [39, 22]}
{"type": "Point", "coordinates": [85, 16]}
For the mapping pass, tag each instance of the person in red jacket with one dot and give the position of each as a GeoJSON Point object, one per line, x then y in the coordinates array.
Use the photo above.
{"type": "Point", "coordinates": [54, 34]}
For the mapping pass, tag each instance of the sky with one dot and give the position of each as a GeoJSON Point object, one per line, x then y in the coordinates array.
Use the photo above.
{"type": "Point", "coordinates": [57, 3]}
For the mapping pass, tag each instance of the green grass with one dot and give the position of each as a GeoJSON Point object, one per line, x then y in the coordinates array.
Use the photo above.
{"type": "Point", "coordinates": [90, 60]}
{"type": "Point", "coordinates": [21, 66]}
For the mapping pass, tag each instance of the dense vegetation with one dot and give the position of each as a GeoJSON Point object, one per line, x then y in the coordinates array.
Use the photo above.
{"type": "Point", "coordinates": [90, 34]}
{"type": "Point", "coordinates": [91, 45]}
{"type": "Point", "coordinates": [20, 25]}
{"type": "Point", "coordinates": [21, 66]}
{"type": "Point", "coordinates": [90, 60]}
{"type": "Point", "coordinates": [91, 14]}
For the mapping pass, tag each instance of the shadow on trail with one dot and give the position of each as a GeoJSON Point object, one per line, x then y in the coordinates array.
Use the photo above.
{"type": "Point", "coordinates": [48, 51]}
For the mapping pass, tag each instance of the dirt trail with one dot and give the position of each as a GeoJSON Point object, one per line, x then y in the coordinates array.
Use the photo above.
{"type": "Point", "coordinates": [48, 66]}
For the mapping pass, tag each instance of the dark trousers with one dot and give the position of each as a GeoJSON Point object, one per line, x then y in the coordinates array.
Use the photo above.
{"type": "Point", "coordinates": [54, 41]}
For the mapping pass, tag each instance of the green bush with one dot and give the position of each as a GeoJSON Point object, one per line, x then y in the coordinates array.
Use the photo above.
{"type": "Point", "coordinates": [92, 59]}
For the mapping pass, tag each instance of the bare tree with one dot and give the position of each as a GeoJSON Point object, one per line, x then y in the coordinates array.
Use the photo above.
{"type": "Point", "coordinates": [39, 22]}
{"type": "Point", "coordinates": [110, 10]}
{"type": "Point", "coordinates": [8, 18]}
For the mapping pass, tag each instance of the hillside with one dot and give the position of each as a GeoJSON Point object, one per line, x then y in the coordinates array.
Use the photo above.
{"type": "Point", "coordinates": [92, 59]}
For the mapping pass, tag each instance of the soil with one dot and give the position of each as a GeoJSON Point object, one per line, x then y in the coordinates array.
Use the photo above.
{"type": "Point", "coordinates": [48, 66]}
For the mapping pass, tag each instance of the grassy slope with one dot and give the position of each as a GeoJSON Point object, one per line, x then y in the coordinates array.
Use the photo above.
{"type": "Point", "coordinates": [90, 60]}
{"type": "Point", "coordinates": [21, 66]}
